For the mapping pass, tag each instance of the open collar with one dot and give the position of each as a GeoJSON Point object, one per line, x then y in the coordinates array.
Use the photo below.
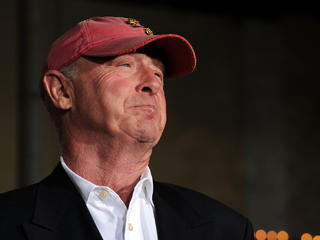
{"type": "Point", "coordinates": [84, 186]}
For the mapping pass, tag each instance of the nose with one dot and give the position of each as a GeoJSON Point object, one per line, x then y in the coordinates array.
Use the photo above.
{"type": "Point", "coordinates": [151, 82]}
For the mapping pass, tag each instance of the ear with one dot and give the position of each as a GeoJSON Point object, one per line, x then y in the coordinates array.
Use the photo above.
{"type": "Point", "coordinates": [59, 89]}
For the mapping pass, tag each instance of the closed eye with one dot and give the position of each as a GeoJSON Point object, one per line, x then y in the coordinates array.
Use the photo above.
{"type": "Point", "coordinates": [159, 75]}
{"type": "Point", "coordinates": [125, 65]}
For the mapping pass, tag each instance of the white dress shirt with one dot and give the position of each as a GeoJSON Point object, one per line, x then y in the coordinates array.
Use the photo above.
{"type": "Point", "coordinates": [110, 214]}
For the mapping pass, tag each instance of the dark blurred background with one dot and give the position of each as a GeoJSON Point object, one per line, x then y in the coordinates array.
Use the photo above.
{"type": "Point", "coordinates": [243, 128]}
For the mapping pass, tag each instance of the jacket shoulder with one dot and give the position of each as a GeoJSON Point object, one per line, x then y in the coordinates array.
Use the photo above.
{"type": "Point", "coordinates": [18, 199]}
{"type": "Point", "coordinates": [199, 201]}
{"type": "Point", "coordinates": [16, 207]}
{"type": "Point", "coordinates": [200, 206]}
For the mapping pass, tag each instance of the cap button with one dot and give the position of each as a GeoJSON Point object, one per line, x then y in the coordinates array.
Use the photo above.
{"type": "Point", "coordinates": [148, 31]}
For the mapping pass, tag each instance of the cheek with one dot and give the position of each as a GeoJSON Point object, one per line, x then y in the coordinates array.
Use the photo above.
{"type": "Point", "coordinates": [111, 84]}
{"type": "Point", "coordinates": [162, 101]}
{"type": "Point", "coordinates": [110, 81]}
{"type": "Point", "coordinates": [117, 94]}
{"type": "Point", "coordinates": [118, 88]}
{"type": "Point", "coordinates": [112, 98]}
{"type": "Point", "coordinates": [163, 106]}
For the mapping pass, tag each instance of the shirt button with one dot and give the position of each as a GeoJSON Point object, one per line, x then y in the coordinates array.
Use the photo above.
{"type": "Point", "coordinates": [104, 193]}
{"type": "Point", "coordinates": [130, 227]}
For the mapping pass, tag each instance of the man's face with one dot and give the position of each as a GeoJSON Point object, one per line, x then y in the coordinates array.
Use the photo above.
{"type": "Point", "coordinates": [121, 97]}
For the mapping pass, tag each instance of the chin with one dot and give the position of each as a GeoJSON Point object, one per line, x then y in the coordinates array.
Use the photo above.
{"type": "Point", "coordinates": [144, 132]}
{"type": "Point", "coordinates": [143, 138]}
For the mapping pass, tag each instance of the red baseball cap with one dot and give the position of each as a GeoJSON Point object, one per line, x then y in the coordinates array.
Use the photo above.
{"type": "Point", "coordinates": [113, 36]}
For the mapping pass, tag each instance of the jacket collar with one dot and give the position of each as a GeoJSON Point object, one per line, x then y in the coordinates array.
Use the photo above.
{"type": "Point", "coordinates": [175, 216]}
{"type": "Point", "coordinates": [58, 207]}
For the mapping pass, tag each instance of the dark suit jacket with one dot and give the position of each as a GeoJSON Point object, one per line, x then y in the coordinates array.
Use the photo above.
{"type": "Point", "coordinates": [54, 209]}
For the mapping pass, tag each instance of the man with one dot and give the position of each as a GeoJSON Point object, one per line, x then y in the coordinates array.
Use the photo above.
{"type": "Point", "coordinates": [102, 84]}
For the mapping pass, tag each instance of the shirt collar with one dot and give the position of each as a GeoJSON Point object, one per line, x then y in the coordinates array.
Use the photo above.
{"type": "Point", "coordinates": [145, 184]}
{"type": "Point", "coordinates": [84, 186]}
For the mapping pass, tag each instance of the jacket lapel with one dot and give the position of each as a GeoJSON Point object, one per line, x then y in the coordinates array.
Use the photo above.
{"type": "Point", "coordinates": [175, 218]}
{"type": "Point", "coordinates": [60, 212]}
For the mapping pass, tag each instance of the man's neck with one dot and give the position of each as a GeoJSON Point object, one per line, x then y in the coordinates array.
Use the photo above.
{"type": "Point", "coordinates": [118, 167]}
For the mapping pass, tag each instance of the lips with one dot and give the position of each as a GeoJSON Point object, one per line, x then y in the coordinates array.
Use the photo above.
{"type": "Point", "coordinates": [148, 110]}
{"type": "Point", "coordinates": [145, 106]}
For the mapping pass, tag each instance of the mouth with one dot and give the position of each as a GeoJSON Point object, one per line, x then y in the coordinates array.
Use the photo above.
{"type": "Point", "coordinates": [145, 108]}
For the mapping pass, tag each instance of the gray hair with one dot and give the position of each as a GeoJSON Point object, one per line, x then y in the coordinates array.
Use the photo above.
{"type": "Point", "coordinates": [71, 71]}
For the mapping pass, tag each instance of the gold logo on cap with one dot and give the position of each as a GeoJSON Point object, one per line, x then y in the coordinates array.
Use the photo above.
{"type": "Point", "coordinates": [148, 31]}
{"type": "Point", "coordinates": [133, 22]}
{"type": "Point", "coordinates": [136, 24]}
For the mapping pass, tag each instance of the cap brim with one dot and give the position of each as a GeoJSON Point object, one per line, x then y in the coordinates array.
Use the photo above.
{"type": "Point", "coordinates": [180, 58]}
